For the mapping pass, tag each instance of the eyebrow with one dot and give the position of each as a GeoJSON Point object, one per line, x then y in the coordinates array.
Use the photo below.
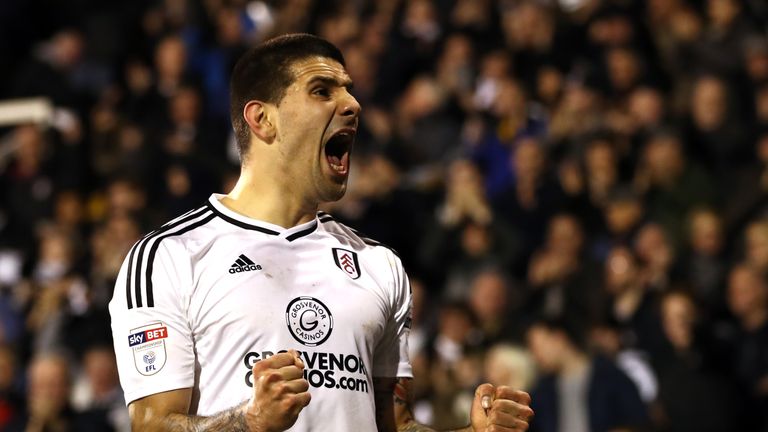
{"type": "Point", "coordinates": [330, 81]}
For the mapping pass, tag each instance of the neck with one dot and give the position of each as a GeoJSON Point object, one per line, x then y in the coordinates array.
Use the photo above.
{"type": "Point", "coordinates": [267, 200]}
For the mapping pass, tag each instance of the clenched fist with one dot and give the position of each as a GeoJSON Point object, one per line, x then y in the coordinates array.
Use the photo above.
{"type": "Point", "coordinates": [500, 409]}
{"type": "Point", "coordinates": [280, 392]}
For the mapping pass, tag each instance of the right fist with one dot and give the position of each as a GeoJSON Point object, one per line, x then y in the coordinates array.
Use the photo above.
{"type": "Point", "coordinates": [280, 392]}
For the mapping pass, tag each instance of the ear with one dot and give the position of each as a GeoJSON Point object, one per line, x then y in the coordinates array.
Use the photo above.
{"type": "Point", "coordinates": [260, 117]}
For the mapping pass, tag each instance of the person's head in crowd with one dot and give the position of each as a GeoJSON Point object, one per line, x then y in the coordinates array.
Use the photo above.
{"type": "Point", "coordinates": [510, 365]}
{"type": "Point", "coordinates": [100, 369]}
{"type": "Point", "coordinates": [229, 26]}
{"type": "Point", "coordinates": [455, 64]}
{"type": "Point", "coordinates": [31, 147]}
{"type": "Point", "coordinates": [605, 337]}
{"type": "Point", "coordinates": [185, 107]}
{"type": "Point", "coordinates": [471, 14]}
{"type": "Point", "coordinates": [624, 69]}
{"type": "Point", "coordinates": [621, 271]}
{"type": "Point", "coordinates": [68, 211]}
{"type": "Point", "coordinates": [125, 196]}
{"type": "Point", "coordinates": [476, 239]}
{"type": "Point", "coordinates": [423, 96]}
{"type": "Point", "coordinates": [624, 211]}
{"type": "Point", "coordinates": [66, 49]}
{"type": "Point", "coordinates": [611, 26]}
{"type": "Point", "coordinates": [110, 243]}
{"type": "Point", "coordinates": [421, 22]}
{"type": "Point", "coordinates": [340, 28]}
{"type": "Point", "coordinates": [678, 319]}
{"type": "Point", "coordinates": [490, 297]}
{"type": "Point", "coordinates": [601, 168]}
{"type": "Point", "coordinates": [653, 248]}
{"type": "Point", "coordinates": [529, 160]}
{"type": "Point", "coordinates": [756, 244]}
{"type": "Point", "coordinates": [747, 296]}
{"type": "Point", "coordinates": [761, 151]}
{"type": "Point", "coordinates": [709, 103]}
{"type": "Point", "coordinates": [361, 64]}
{"type": "Point", "coordinates": [49, 383]}
{"type": "Point", "coordinates": [56, 255]}
{"type": "Point", "coordinates": [565, 235]}
{"type": "Point", "coordinates": [663, 159]}
{"type": "Point", "coordinates": [555, 344]}
{"type": "Point", "coordinates": [549, 85]}
{"type": "Point", "coordinates": [528, 26]}
{"type": "Point", "coordinates": [170, 63]}
{"type": "Point", "coordinates": [510, 103]}
{"type": "Point", "coordinates": [456, 322]}
{"type": "Point", "coordinates": [705, 232]}
{"type": "Point", "coordinates": [646, 107]}
{"type": "Point", "coordinates": [494, 67]}
{"type": "Point", "coordinates": [756, 59]}
{"type": "Point", "coordinates": [722, 13]}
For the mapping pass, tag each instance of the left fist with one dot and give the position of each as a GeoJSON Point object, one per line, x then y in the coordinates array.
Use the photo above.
{"type": "Point", "coordinates": [500, 409]}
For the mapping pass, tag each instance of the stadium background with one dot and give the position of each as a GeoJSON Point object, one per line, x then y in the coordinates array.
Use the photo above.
{"type": "Point", "coordinates": [603, 164]}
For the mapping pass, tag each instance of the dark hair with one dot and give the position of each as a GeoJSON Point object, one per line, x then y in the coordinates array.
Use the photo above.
{"type": "Point", "coordinates": [264, 73]}
{"type": "Point", "coordinates": [569, 327]}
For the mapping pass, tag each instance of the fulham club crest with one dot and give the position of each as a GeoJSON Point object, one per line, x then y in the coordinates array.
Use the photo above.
{"type": "Point", "coordinates": [347, 262]}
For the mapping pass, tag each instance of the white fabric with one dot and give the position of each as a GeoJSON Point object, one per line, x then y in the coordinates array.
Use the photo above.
{"type": "Point", "coordinates": [220, 317]}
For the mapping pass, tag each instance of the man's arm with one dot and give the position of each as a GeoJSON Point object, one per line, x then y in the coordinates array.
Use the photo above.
{"type": "Point", "coordinates": [501, 408]}
{"type": "Point", "coordinates": [279, 394]}
{"type": "Point", "coordinates": [167, 412]}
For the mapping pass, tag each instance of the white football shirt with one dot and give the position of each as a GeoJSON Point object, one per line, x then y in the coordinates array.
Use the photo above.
{"type": "Point", "coordinates": [200, 300]}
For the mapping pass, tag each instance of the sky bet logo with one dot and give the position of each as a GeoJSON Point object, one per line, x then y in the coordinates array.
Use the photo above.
{"type": "Point", "coordinates": [147, 336]}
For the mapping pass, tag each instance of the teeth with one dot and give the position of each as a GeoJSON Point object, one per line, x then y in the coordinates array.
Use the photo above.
{"type": "Point", "coordinates": [337, 167]}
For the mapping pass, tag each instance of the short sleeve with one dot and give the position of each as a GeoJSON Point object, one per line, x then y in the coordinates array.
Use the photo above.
{"type": "Point", "coordinates": [150, 331]}
{"type": "Point", "coordinates": [391, 353]}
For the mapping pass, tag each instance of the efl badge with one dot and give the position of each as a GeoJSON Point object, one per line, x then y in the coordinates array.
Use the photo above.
{"type": "Point", "coordinates": [148, 345]}
{"type": "Point", "coordinates": [347, 262]}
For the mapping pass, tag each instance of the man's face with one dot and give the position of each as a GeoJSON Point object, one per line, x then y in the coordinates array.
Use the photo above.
{"type": "Point", "coordinates": [316, 126]}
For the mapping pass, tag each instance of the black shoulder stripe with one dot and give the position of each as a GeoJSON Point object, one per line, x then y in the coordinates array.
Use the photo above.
{"type": "Point", "coordinates": [141, 245]}
{"type": "Point", "coordinates": [156, 245]}
{"type": "Point", "coordinates": [371, 242]}
{"type": "Point", "coordinates": [325, 219]}
{"type": "Point", "coordinates": [239, 223]}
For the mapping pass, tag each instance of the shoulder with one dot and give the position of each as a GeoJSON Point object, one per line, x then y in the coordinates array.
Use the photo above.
{"type": "Point", "coordinates": [174, 232]}
{"type": "Point", "coordinates": [357, 240]}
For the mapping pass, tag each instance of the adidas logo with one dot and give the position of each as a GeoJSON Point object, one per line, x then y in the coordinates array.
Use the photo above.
{"type": "Point", "coordinates": [243, 264]}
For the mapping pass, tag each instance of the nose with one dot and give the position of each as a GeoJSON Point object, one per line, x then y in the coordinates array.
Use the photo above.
{"type": "Point", "coordinates": [350, 107]}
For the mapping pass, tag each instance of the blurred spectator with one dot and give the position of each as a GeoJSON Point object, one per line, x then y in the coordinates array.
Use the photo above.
{"type": "Point", "coordinates": [694, 392]}
{"type": "Point", "coordinates": [48, 404]}
{"type": "Point", "coordinates": [27, 185]}
{"type": "Point", "coordinates": [510, 365]}
{"type": "Point", "coordinates": [704, 265]}
{"type": "Point", "coordinates": [97, 389]}
{"type": "Point", "coordinates": [564, 282]}
{"type": "Point", "coordinates": [672, 184]}
{"type": "Point", "coordinates": [468, 236]}
{"type": "Point", "coordinates": [656, 256]}
{"type": "Point", "coordinates": [631, 303]}
{"type": "Point", "coordinates": [495, 302]}
{"type": "Point", "coordinates": [577, 391]}
{"type": "Point", "coordinates": [748, 302]}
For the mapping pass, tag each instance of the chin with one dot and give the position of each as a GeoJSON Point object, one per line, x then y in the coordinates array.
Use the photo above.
{"type": "Point", "coordinates": [333, 194]}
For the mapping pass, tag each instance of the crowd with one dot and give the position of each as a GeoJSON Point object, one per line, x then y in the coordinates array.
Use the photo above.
{"type": "Point", "coordinates": [578, 190]}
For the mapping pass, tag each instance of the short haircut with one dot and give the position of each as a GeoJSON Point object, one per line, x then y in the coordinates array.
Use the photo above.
{"type": "Point", "coordinates": [264, 73]}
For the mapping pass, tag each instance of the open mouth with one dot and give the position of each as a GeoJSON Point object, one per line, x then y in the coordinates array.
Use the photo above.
{"type": "Point", "coordinates": [337, 151]}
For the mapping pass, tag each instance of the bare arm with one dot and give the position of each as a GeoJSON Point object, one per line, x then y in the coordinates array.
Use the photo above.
{"type": "Point", "coordinates": [498, 409]}
{"type": "Point", "coordinates": [279, 395]}
{"type": "Point", "coordinates": [168, 412]}
{"type": "Point", "coordinates": [394, 406]}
